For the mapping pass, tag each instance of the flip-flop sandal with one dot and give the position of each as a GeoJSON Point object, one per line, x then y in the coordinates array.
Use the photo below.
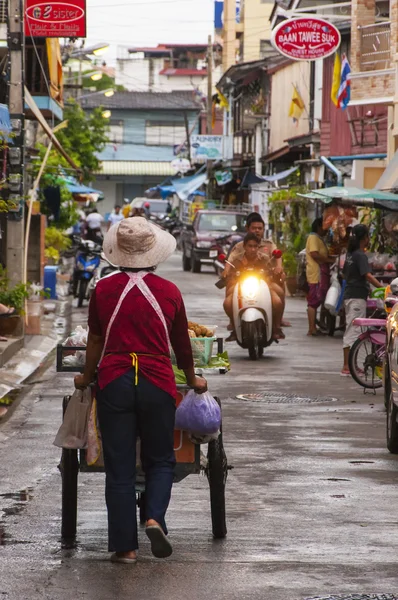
{"type": "Point", "coordinates": [160, 545]}
{"type": "Point", "coordinates": [123, 559]}
{"type": "Point", "coordinates": [3, 339]}
{"type": "Point", "coordinates": [286, 323]}
{"type": "Point", "coordinates": [9, 313]}
{"type": "Point", "coordinates": [345, 374]}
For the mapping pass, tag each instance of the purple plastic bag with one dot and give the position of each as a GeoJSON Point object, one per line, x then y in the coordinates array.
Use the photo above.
{"type": "Point", "coordinates": [198, 413]}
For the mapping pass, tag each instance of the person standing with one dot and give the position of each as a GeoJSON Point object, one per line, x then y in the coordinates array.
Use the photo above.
{"type": "Point", "coordinates": [135, 317]}
{"type": "Point", "coordinates": [358, 276]}
{"type": "Point", "coordinates": [317, 272]}
{"type": "Point", "coordinates": [115, 217]}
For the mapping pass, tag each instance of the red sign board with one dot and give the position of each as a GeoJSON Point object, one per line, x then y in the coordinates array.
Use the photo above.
{"type": "Point", "coordinates": [55, 19]}
{"type": "Point", "coordinates": [306, 38]}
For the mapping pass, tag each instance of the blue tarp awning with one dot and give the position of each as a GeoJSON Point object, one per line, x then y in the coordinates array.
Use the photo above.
{"type": "Point", "coordinates": [182, 186]}
{"type": "Point", "coordinates": [5, 122]}
{"type": "Point", "coordinates": [75, 187]}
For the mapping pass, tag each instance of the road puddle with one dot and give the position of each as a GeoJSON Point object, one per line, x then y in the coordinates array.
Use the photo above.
{"type": "Point", "coordinates": [20, 499]}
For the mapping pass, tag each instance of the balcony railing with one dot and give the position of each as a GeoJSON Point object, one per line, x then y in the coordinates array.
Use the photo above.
{"type": "Point", "coordinates": [3, 11]}
{"type": "Point", "coordinates": [375, 47]}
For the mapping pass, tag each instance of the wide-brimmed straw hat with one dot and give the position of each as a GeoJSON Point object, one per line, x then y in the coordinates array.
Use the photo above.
{"type": "Point", "coordinates": [138, 244]}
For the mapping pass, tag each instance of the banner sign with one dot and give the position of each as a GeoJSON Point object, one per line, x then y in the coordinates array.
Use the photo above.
{"type": "Point", "coordinates": [55, 19]}
{"type": "Point", "coordinates": [223, 177]}
{"type": "Point", "coordinates": [206, 147]}
{"type": "Point", "coordinates": [306, 38]}
{"type": "Point", "coordinates": [219, 13]}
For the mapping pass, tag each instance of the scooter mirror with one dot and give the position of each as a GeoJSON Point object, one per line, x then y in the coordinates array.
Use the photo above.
{"type": "Point", "coordinates": [277, 253]}
{"type": "Point", "coordinates": [222, 257]}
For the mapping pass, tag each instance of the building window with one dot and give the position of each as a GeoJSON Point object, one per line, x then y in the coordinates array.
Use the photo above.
{"type": "Point", "coordinates": [116, 132]}
{"type": "Point", "coordinates": [164, 133]}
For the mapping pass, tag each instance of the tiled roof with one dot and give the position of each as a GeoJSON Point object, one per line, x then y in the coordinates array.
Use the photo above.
{"type": "Point", "coordinates": [178, 100]}
{"type": "Point", "coordinates": [135, 167]}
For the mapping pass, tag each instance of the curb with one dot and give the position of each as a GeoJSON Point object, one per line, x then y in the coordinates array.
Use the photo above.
{"type": "Point", "coordinates": [35, 352]}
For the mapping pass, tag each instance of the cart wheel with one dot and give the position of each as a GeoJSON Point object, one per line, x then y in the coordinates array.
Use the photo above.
{"type": "Point", "coordinates": [69, 471]}
{"type": "Point", "coordinates": [141, 505]}
{"type": "Point", "coordinates": [217, 472]}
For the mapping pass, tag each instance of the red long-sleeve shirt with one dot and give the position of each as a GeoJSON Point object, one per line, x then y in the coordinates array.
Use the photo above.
{"type": "Point", "coordinates": [138, 329]}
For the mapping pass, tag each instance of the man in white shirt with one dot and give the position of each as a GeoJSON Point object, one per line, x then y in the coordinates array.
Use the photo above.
{"type": "Point", "coordinates": [115, 217]}
{"type": "Point", "coordinates": [94, 221]}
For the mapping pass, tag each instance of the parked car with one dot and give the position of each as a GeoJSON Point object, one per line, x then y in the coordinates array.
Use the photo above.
{"type": "Point", "coordinates": [199, 240]}
{"type": "Point", "coordinates": [390, 370]}
{"type": "Point", "coordinates": [157, 208]}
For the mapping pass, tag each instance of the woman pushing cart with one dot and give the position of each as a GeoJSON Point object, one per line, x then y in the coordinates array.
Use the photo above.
{"type": "Point", "coordinates": [135, 319]}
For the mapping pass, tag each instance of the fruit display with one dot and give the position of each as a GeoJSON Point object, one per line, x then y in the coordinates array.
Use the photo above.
{"type": "Point", "coordinates": [199, 331]}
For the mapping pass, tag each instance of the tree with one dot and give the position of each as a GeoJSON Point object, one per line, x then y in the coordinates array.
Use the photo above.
{"type": "Point", "coordinates": [85, 136]}
{"type": "Point", "coordinates": [104, 83]}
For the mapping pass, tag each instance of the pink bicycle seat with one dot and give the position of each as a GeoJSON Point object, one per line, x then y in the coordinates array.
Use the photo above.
{"type": "Point", "coordinates": [369, 322]}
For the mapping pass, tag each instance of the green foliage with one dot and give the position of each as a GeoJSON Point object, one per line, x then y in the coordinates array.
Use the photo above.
{"type": "Point", "coordinates": [289, 260]}
{"type": "Point", "coordinates": [105, 83]}
{"type": "Point", "coordinates": [56, 239]}
{"type": "Point", "coordinates": [289, 219]}
{"type": "Point", "coordinates": [85, 136]}
{"type": "Point", "coordinates": [15, 296]}
{"type": "Point", "coordinates": [52, 255]}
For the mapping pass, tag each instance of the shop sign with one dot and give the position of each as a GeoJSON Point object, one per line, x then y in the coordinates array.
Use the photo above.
{"type": "Point", "coordinates": [306, 38]}
{"type": "Point", "coordinates": [223, 177]}
{"type": "Point", "coordinates": [55, 19]}
{"type": "Point", "coordinates": [181, 165]}
{"type": "Point", "coordinates": [206, 147]}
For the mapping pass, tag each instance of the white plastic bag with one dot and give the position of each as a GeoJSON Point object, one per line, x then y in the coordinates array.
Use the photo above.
{"type": "Point", "coordinates": [198, 414]}
{"type": "Point", "coordinates": [73, 433]}
{"type": "Point", "coordinates": [333, 295]}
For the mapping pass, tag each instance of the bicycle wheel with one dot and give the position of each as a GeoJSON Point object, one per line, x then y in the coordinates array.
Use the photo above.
{"type": "Point", "coordinates": [366, 363]}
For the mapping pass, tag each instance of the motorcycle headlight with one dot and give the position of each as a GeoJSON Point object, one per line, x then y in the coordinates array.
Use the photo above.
{"type": "Point", "coordinates": [80, 266]}
{"type": "Point", "coordinates": [250, 287]}
{"type": "Point", "coordinates": [204, 244]}
{"type": "Point", "coordinates": [90, 268]}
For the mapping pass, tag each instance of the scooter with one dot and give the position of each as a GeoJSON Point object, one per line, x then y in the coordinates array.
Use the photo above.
{"type": "Point", "coordinates": [88, 260]}
{"type": "Point", "coordinates": [252, 312]}
{"type": "Point", "coordinates": [252, 308]}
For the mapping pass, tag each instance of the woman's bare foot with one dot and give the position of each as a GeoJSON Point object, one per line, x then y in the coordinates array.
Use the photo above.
{"type": "Point", "coordinates": [152, 523]}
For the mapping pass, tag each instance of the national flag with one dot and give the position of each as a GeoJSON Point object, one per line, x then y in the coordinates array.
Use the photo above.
{"type": "Point", "coordinates": [297, 105]}
{"type": "Point", "coordinates": [336, 79]}
{"type": "Point", "coordinates": [344, 94]}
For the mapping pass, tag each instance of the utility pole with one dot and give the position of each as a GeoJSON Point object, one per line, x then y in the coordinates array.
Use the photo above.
{"type": "Point", "coordinates": [209, 86]}
{"type": "Point", "coordinates": [209, 129]}
{"type": "Point", "coordinates": [16, 154]}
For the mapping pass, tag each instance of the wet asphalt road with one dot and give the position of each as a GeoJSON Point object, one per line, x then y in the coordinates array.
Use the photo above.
{"type": "Point", "coordinates": [311, 501]}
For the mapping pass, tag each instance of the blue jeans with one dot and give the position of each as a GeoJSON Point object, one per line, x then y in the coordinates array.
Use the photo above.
{"type": "Point", "coordinates": [126, 411]}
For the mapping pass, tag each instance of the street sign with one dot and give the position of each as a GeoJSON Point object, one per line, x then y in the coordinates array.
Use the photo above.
{"type": "Point", "coordinates": [55, 19]}
{"type": "Point", "coordinates": [306, 38]}
{"type": "Point", "coordinates": [206, 147]}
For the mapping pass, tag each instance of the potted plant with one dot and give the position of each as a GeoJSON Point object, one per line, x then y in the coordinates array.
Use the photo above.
{"type": "Point", "coordinates": [290, 263]}
{"type": "Point", "coordinates": [15, 297]}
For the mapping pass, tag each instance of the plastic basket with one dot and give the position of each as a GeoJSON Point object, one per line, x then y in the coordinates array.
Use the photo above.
{"type": "Point", "coordinates": [202, 350]}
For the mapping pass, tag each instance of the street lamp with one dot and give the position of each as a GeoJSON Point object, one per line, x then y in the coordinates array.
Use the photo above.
{"type": "Point", "coordinates": [108, 93]}
{"type": "Point", "coordinates": [96, 50]}
{"type": "Point", "coordinates": [106, 114]}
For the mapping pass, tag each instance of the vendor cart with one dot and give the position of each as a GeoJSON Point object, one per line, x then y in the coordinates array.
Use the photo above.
{"type": "Point", "coordinates": [190, 460]}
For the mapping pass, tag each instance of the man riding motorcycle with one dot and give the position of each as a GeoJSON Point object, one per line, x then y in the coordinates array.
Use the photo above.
{"type": "Point", "coordinates": [253, 259]}
{"type": "Point", "coordinates": [255, 224]}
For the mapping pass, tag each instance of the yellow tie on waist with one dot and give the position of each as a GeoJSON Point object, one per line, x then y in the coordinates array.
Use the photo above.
{"type": "Point", "coordinates": [134, 362]}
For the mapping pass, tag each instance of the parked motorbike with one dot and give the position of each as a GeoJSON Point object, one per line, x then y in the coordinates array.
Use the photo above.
{"type": "Point", "coordinates": [174, 226]}
{"type": "Point", "coordinates": [88, 259]}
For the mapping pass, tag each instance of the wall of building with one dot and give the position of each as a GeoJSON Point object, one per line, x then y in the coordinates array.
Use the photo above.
{"type": "Point", "coordinates": [256, 27]}
{"type": "Point", "coordinates": [282, 126]}
{"type": "Point", "coordinates": [134, 73]}
{"type": "Point", "coordinates": [339, 137]}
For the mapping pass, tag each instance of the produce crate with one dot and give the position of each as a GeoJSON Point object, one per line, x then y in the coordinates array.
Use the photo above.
{"type": "Point", "coordinates": [202, 350]}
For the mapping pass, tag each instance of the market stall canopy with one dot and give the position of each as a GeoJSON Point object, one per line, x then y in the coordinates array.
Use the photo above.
{"type": "Point", "coordinates": [355, 196]}
{"type": "Point", "coordinates": [183, 186]}
{"type": "Point", "coordinates": [75, 187]}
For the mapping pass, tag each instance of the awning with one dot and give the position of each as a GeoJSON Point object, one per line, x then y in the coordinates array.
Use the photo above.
{"type": "Point", "coordinates": [74, 187]}
{"type": "Point", "coordinates": [135, 167]}
{"type": "Point", "coordinates": [5, 123]}
{"type": "Point", "coordinates": [186, 186]}
{"type": "Point", "coordinates": [355, 196]}
{"type": "Point", "coordinates": [389, 179]}
{"type": "Point", "coordinates": [37, 113]}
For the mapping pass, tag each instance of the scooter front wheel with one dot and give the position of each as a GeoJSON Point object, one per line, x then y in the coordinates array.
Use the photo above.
{"type": "Point", "coordinates": [82, 292]}
{"type": "Point", "coordinates": [254, 345]}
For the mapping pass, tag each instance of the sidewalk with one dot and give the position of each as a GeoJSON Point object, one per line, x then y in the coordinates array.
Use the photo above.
{"type": "Point", "coordinates": [22, 357]}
